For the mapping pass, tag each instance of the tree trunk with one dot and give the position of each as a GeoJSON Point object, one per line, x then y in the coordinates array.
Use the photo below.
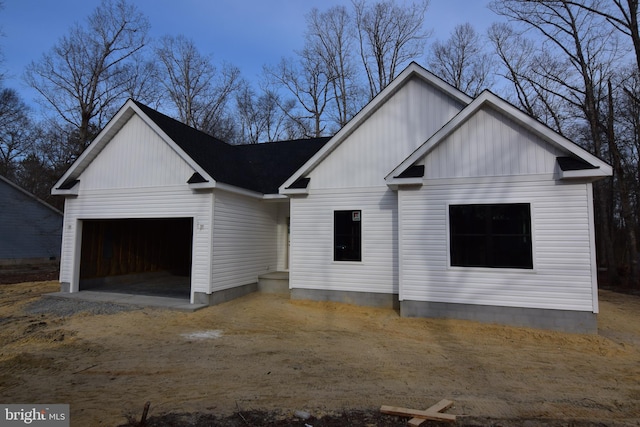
{"type": "Point", "coordinates": [625, 204]}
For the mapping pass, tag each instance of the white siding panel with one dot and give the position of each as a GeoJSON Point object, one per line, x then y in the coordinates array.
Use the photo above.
{"type": "Point", "coordinates": [70, 230]}
{"type": "Point", "coordinates": [386, 138]}
{"type": "Point", "coordinates": [283, 235]}
{"type": "Point", "coordinates": [489, 144]}
{"type": "Point", "coordinates": [244, 240]}
{"type": "Point", "coordinates": [135, 157]}
{"type": "Point", "coordinates": [561, 278]}
{"type": "Point", "coordinates": [312, 264]}
{"type": "Point", "coordinates": [158, 202]}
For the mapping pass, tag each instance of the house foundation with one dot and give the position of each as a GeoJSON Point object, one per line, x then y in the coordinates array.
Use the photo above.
{"type": "Point", "coordinates": [224, 295]}
{"type": "Point", "coordinates": [368, 299]}
{"type": "Point", "coordinates": [582, 322]}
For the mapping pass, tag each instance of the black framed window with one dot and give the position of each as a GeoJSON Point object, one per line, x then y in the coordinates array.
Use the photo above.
{"type": "Point", "coordinates": [491, 235]}
{"type": "Point", "coordinates": [347, 235]}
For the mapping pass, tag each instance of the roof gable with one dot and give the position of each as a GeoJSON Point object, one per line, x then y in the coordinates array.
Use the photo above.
{"type": "Point", "coordinates": [136, 157]}
{"type": "Point", "coordinates": [412, 71]}
{"type": "Point", "coordinates": [66, 185]}
{"type": "Point", "coordinates": [597, 169]}
{"type": "Point", "coordinates": [258, 168]}
{"type": "Point", "coordinates": [32, 196]}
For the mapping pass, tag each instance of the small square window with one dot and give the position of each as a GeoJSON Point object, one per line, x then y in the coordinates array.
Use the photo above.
{"type": "Point", "coordinates": [347, 238]}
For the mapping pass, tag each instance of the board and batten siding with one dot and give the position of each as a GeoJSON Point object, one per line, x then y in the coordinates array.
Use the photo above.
{"type": "Point", "coordinates": [312, 243]}
{"type": "Point", "coordinates": [562, 252]}
{"type": "Point", "coordinates": [490, 144]}
{"type": "Point", "coordinates": [135, 157]}
{"type": "Point", "coordinates": [244, 240]}
{"type": "Point", "coordinates": [138, 175]}
{"type": "Point", "coordinates": [386, 138]}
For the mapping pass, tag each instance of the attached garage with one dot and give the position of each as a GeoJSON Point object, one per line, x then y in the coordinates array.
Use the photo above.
{"type": "Point", "coordinates": [151, 256]}
{"type": "Point", "coordinates": [154, 207]}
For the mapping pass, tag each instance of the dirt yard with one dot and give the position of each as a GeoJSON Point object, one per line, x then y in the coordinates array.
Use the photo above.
{"type": "Point", "coordinates": [266, 353]}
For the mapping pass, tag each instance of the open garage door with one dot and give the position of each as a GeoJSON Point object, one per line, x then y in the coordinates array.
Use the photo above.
{"type": "Point", "coordinates": [138, 256]}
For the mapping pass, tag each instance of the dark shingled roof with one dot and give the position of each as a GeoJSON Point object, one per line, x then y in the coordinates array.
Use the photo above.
{"type": "Point", "coordinates": [257, 167]}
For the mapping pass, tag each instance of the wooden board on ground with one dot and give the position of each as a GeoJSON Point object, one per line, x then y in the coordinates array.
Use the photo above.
{"type": "Point", "coordinates": [418, 417]}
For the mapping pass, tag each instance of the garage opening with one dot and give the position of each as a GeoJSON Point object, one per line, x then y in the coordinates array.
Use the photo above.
{"type": "Point", "coordinates": [137, 256]}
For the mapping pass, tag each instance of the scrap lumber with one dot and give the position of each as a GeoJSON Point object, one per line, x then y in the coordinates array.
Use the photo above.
{"type": "Point", "coordinates": [433, 413]}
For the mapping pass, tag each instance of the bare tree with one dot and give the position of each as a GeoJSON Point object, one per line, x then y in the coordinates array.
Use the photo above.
{"type": "Point", "coordinates": [194, 86]}
{"type": "Point", "coordinates": [85, 76]}
{"type": "Point", "coordinates": [389, 36]}
{"type": "Point", "coordinates": [581, 40]}
{"type": "Point", "coordinates": [144, 84]}
{"type": "Point", "coordinates": [533, 75]}
{"type": "Point", "coordinates": [330, 38]}
{"type": "Point", "coordinates": [462, 61]}
{"type": "Point", "coordinates": [2, 72]}
{"type": "Point", "coordinates": [263, 118]}
{"type": "Point", "coordinates": [16, 132]}
{"type": "Point", "coordinates": [622, 15]}
{"type": "Point", "coordinates": [308, 83]}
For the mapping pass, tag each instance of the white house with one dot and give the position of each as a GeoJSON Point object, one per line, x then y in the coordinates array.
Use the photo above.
{"type": "Point", "coordinates": [443, 205]}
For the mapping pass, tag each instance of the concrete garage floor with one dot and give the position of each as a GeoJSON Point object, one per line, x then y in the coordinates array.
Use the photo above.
{"type": "Point", "coordinates": [163, 289]}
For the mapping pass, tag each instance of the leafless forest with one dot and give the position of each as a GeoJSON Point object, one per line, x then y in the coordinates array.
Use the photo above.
{"type": "Point", "coordinates": [573, 65]}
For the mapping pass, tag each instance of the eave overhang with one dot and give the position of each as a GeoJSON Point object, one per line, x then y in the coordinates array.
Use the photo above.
{"type": "Point", "coordinates": [69, 187]}
{"type": "Point", "coordinates": [298, 187]}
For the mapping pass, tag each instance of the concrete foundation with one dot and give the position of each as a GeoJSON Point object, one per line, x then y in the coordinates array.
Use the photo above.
{"type": "Point", "coordinates": [558, 320]}
{"type": "Point", "coordinates": [65, 287]}
{"type": "Point", "coordinates": [224, 295]}
{"type": "Point", "coordinates": [368, 299]}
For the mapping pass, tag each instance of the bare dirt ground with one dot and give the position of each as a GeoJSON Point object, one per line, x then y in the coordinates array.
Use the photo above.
{"type": "Point", "coordinates": [266, 356]}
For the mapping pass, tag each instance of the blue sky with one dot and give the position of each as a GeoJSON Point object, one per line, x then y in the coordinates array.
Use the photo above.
{"type": "Point", "coordinates": [246, 33]}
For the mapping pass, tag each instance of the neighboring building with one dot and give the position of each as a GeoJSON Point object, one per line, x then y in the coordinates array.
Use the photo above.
{"type": "Point", "coordinates": [427, 199]}
{"type": "Point", "coordinates": [30, 229]}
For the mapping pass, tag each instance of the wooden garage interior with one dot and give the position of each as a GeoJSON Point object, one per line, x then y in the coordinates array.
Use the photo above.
{"type": "Point", "coordinates": [138, 256]}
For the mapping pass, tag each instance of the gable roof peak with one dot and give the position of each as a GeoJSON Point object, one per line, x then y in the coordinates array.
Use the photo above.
{"type": "Point", "coordinates": [413, 70]}
{"type": "Point", "coordinates": [488, 98]}
{"type": "Point", "coordinates": [258, 168]}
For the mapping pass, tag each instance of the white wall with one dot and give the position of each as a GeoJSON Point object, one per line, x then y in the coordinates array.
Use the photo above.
{"type": "Point", "coordinates": [490, 144]}
{"type": "Point", "coordinates": [244, 240]}
{"type": "Point", "coordinates": [352, 178]}
{"type": "Point", "coordinates": [136, 157]}
{"type": "Point", "coordinates": [150, 202]}
{"type": "Point", "coordinates": [561, 278]}
{"type": "Point", "coordinates": [312, 241]}
{"type": "Point", "coordinates": [491, 159]}
{"type": "Point", "coordinates": [386, 138]}
{"type": "Point", "coordinates": [138, 175]}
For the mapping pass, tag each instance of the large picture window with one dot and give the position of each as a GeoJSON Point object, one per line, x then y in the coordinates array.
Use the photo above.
{"type": "Point", "coordinates": [491, 235]}
{"type": "Point", "coordinates": [347, 237]}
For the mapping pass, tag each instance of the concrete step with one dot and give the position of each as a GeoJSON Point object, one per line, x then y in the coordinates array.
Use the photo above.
{"type": "Point", "coordinates": [276, 282]}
